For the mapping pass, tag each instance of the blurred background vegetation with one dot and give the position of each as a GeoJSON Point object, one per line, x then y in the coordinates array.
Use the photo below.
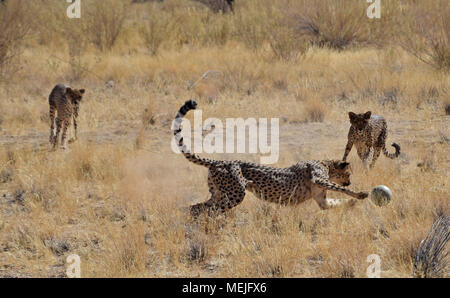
{"type": "Point", "coordinates": [285, 28]}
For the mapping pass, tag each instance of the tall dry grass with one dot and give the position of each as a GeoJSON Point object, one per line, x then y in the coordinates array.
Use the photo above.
{"type": "Point", "coordinates": [105, 21]}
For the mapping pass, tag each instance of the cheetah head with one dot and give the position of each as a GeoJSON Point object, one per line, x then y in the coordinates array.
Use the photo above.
{"type": "Point", "coordinates": [339, 172]}
{"type": "Point", "coordinates": [75, 94]}
{"type": "Point", "coordinates": [359, 121]}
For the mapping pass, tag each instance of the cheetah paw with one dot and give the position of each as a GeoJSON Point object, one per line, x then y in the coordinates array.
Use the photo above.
{"type": "Point", "coordinates": [362, 195]}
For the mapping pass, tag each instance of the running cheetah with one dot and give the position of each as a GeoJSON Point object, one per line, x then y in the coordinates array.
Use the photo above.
{"type": "Point", "coordinates": [65, 101]}
{"type": "Point", "coordinates": [228, 180]}
{"type": "Point", "coordinates": [368, 132]}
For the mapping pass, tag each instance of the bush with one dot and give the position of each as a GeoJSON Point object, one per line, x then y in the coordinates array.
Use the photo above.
{"type": "Point", "coordinates": [286, 43]}
{"type": "Point", "coordinates": [336, 24]}
{"type": "Point", "coordinates": [251, 25]}
{"type": "Point", "coordinates": [427, 35]}
{"type": "Point", "coordinates": [14, 26]}
{"type": "Point", "coordinates": [77, 45]}
{"type": "Point", "coordinates": [105, 21]}
{"type": "Point", "coordinates": [154, 30]}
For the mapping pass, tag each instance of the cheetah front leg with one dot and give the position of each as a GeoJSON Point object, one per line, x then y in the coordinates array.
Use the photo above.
{"type": "Point", "coordinates": [75, 126]}
{"type": "Point", "coordinates": [323, 182]}
{"type": "Point", "coordinates": [348, 148]}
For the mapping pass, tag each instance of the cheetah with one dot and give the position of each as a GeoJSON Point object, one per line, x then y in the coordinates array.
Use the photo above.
{"type": "Point", "coordinates": [66, 102]}
{"type": "Point", "coordinates": [368, 132]}
{"type": "Point", "coordinates": [228, 180]}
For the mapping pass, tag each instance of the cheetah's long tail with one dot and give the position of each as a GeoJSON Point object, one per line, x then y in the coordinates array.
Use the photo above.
{"type": "Point", "coordinates": [188, 105]}
{"type": "Point", "coordinates": [392, 155]}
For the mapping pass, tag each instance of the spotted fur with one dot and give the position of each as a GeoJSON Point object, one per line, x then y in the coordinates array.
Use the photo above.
{"type": "Point", "coordinates": [65, 102]}
{"type": "Point", "coordinates": [228, 180]}
{"type": "Point", "coordinates": [368, 133]}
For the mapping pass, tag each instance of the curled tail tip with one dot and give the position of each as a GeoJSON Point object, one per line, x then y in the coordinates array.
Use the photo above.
{"type": "Point", "coordinates": [191, 104]}
{"type": "Point", "coordinates": [396, 146]}
{"type": "Point", "coordinates": [397, 151]}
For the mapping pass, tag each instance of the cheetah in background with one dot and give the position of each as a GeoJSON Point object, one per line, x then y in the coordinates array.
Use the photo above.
{"type": "Point", "coordinates": [368, 133]}
{"type": "Point", "coordinates": [66, 102]}
{"type": "Point", "coordinates": [228, 180]}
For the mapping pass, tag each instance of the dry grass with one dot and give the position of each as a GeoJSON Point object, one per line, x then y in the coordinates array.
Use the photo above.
{"type": "Point", "coordinates": [116, 198]}
{"type": "Point", "coordinates": [121, 210]}
{"type": "Point", "coordinates": [315, 110]}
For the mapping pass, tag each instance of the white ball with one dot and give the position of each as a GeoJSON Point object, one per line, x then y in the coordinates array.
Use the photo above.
{"type": "Point", "coordinates": [381, 195]}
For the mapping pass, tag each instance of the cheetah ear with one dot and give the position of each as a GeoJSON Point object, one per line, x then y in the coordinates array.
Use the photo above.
{"type": "Point", "coordinates": [343, 165]}
{"type": "Point", "coordinates": [82, 91]}
{"type": "Point", "coordinates": [69, 90]}
{"type": "Point", "coordinates": [367, 115]}
{"type": "Point", "coordinates": [351, 115]}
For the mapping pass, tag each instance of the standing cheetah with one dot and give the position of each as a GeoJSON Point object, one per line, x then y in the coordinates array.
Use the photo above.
{"type": "Point", "coordinates": [65, 101]}
{"type": "Point", "coordinates": [368, 132]}
{"type": "Point", "coordinates": [228, 180]}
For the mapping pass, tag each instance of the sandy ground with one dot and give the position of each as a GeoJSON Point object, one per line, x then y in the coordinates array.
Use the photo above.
{"type": "Point", "coordinates": [304, 137]}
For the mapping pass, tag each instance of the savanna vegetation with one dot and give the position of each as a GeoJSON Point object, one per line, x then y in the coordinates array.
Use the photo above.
{"type": "Point", "coordinates": [117, 197]}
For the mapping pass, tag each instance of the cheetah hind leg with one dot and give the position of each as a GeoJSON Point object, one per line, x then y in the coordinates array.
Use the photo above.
{"type": "Point", "coordinates": [331, 203]}
{"type": "Point", "coordinates": [223, 197]}
{"type": "Point", "coordinates": [210, 207]}
{"type": "Point", "coordinates": [66, 125]}
{"type": "Point", "coordinates": [375, 156]}
{"type": "Point", "coordinates": [58, 131]}
{"type": "Point", "coordinates": [219, 203]}
{"type": "Point", "coordinates": [368, 157]}
{"type": "Point", "coordinates": [377, 149]}
{"type": "Point", "coordinates": [320, 196]}
{"type": "Point", "coordinates": [52, 124]}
